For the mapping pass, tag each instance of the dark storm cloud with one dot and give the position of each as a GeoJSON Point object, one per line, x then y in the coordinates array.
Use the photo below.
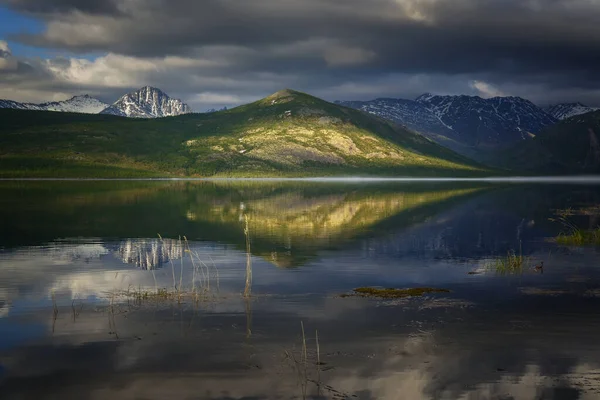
{"type": "Point", "coordinates": [406, 35]}
{"type": "Point", "coordinates": [551, 45]}
{"type": "Point", "coordinates": [63, 6]}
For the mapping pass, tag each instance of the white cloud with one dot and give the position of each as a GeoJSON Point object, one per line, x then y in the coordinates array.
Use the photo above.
{"type": "Point", "coordinates": [102, 72]}
{"type": "Point", "coordinates": [216, 98]}
{"type": "Point", "coordinates": [4, 46]}
{"type": "Point", "coordinates": [417, 10]}
{"type": "Point", "coordinates": [113, 70]}
{"type": "Point", "coordinates": [187, 62]}
{"type": "Point", "coordinates": [485, 89]}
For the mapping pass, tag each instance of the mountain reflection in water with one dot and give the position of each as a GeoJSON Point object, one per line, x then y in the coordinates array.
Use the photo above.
{"type": "Point", "coordinates": [150, 253]}
{"type": "Point", "coordinates": [75, 258]}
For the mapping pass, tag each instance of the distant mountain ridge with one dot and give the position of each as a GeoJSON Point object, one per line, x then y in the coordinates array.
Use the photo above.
{"type": "Point", "coordinates": [411, 114]}
{"type": "Point", "coordinates": [82, 104]}
{"type": "Point", "coordinates": [147, 102]}
{"type": "Point", "coordinates": [568, 110]}
{"type": "Point", "coordinates": [212, 110]}
{"type": "Point", "coordinates": [466, 124]}
{"type": "Point", "coordinates": [19, 106]}
{"type": "Point", "coordinates": [497, 121]}
{"type": "Point", "coordinates": [79, 104]}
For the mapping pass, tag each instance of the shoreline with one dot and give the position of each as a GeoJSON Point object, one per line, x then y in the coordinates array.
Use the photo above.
{"type": "Point", "coordinates": [567, 179]}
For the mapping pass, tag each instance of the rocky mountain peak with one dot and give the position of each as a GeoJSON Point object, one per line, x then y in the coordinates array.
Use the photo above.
{"type": "Point", "coordinates": [147, 102]}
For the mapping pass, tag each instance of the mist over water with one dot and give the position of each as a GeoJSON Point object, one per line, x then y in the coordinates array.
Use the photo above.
{"type": "Point", "coordinates": [567, 179]}
{"type": "Point", "coordinates": [73, 253]}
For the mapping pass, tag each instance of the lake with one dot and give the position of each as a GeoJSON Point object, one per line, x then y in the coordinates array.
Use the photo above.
{"type": "Point", "coordinates": [245, 290]}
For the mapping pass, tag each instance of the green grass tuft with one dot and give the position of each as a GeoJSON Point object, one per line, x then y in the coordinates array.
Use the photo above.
{"type": "Point", "coordinates": [511, 264]}
{"type": "Point", "coordinates": [574, 235]}
{"type": "Point", "coordinates": [580, 237]}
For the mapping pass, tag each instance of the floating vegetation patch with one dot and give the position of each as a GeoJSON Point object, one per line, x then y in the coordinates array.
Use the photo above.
{"type": "Point", "coordinates": [163, 295]}
{"type": "Point", "coordinates": [392, 293]}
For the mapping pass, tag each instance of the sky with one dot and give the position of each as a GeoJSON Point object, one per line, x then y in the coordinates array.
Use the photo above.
{"type": "Point", "coordinates": [215, 53]}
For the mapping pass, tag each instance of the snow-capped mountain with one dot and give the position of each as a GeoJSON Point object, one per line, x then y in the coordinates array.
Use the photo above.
{"type": "Point", "coordinates": [465, 124]}
{"type": "Point", "coordinates": [493, 122]}
{"type": "Point", "coordinates": [409, 113]}
{"type": "Point", "coordinates": [78, 104]}
{"type": "Point", "coordinates": [147, 102]}
{"type": "Point", "coordinates": [19, 106]}
{"type": "Point", "coordinates": [568, 110]}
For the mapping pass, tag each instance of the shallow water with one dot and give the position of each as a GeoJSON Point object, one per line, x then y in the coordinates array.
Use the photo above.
{"type": "Point", "coordinates": [81, 263]}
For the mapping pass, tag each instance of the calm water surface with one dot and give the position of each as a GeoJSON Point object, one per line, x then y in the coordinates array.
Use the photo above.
{"type": "Point", "coordinates": [134, 290]}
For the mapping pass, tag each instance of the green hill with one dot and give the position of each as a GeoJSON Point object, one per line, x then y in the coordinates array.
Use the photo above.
{"type": "Point", "coordinates": [571, 146]}
{"type": "Point", "coordinates": [286, 134]}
